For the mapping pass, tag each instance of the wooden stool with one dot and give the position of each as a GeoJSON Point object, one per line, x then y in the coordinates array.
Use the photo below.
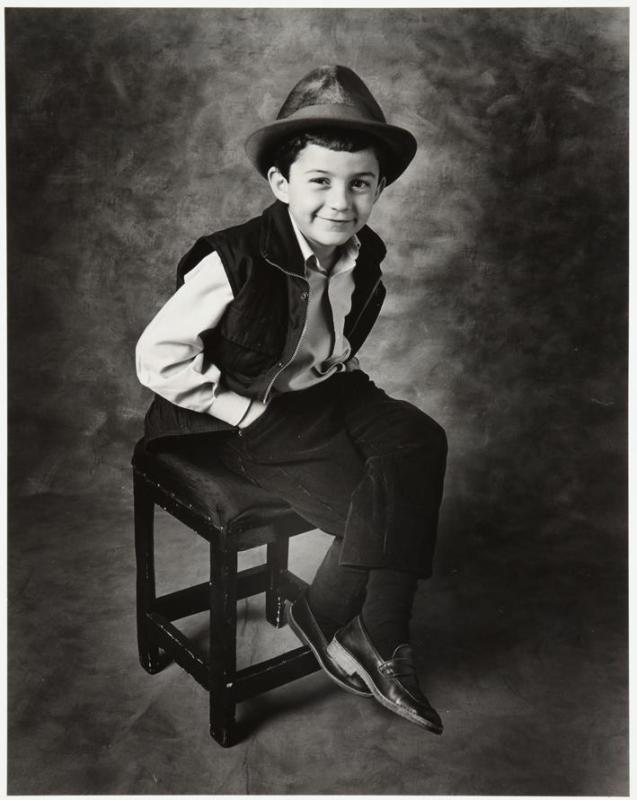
{"type": "Point", "coordinates": [232, 515]}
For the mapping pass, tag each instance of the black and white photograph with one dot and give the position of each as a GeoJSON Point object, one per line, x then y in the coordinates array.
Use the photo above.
{"type": "Point", "coordinates": [317, 400]}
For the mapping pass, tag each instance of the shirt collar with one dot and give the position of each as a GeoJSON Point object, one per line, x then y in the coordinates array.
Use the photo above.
{"type": "Point", "coordinates": [347, 256]}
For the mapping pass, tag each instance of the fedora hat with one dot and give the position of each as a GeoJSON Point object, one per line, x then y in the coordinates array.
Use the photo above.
{"type": "Point", "coordinates": [335, 97]}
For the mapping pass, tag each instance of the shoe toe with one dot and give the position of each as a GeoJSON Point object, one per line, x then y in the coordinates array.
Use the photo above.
{"type": "Point", "coordinates": [432, 716]}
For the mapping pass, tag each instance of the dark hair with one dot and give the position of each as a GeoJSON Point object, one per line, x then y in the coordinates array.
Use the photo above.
{"type": "Point", "coordinates": [286, 153]}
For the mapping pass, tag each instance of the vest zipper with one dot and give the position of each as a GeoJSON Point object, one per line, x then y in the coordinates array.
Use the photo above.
{"type": "Point", "coordinates": [298, 343]}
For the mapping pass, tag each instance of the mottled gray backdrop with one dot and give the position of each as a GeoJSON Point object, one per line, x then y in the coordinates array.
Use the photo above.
{"type": "Point", "coordinates": [506, 316]}
{"type": "Point", "coordinates": [507, 236]}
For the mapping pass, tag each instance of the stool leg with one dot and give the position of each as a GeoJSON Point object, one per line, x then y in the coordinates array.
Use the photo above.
{"type": "Point", "coordinates": [149, 655]}
{"type": "Point", "coordinates": [277, 558]}
{"type": "Point", "coordinates": [223, 640]}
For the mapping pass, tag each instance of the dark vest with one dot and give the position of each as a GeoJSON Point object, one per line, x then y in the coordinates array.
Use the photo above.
{"type": "Point", "coordinates": [260, 330]}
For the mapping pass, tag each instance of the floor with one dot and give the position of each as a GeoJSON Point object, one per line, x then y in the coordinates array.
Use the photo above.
{"type": "Point", "coordinates": [525, 658]}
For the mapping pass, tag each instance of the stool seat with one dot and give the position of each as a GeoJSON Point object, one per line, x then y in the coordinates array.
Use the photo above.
{"type": "Point", "coordinates": [187, 480]}
{"type": "Point", "coordinates": [209, 489]}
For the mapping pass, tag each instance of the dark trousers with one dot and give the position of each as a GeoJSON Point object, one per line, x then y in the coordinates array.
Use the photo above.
{"type": "Point", "coordinates": [358, 464]}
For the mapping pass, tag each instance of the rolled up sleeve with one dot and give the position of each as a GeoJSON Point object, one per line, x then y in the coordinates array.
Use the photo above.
{"type": "Point", "coordinates": [169, 354]}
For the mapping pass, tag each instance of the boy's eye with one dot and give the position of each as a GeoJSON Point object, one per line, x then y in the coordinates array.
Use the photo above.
{"type": "Point", "coordinates": [358, 184]}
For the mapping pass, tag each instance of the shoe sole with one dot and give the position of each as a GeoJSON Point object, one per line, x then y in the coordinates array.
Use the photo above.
{"type": "Point", "coordinates": [350, 665]}
{"type": "Point", "coordinates": [299, 632]}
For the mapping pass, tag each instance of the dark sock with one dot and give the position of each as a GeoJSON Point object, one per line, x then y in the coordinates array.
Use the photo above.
{"type": "Point", "coordinates": [387, 608]}
{"type": "Point", "coordinates": [336, 593]}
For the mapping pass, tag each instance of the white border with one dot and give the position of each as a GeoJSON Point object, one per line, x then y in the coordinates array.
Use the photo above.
{"type": "Point", "coordinates": [53, 4]}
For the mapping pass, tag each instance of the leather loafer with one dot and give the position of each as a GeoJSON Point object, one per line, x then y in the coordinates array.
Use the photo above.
{"type": "Point", "coordinates": [393, 681]}
{"type": "Point", "coordinates": [305, 626]}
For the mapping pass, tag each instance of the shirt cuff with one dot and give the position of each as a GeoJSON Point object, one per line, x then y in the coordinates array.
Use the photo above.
{"type": "Point", "coordinates": [228, 406]}
{"type": "Point", "coordinates": [256, 409]}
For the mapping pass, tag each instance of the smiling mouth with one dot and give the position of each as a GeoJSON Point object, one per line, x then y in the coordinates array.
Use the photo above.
{"type": "Point", "coordinates": [336, 221]}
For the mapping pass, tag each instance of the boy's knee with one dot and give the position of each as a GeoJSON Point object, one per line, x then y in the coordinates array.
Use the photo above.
{"type": "Point", "coordinates": [441, 438]}
{"type": "Point", "coordinates": [432, 436]}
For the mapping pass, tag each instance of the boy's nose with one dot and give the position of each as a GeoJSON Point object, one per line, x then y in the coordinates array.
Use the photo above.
{"type": "Point", "coordinates": [338, 198]}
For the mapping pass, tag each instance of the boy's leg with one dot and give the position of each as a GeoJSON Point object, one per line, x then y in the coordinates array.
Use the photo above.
{"type": "Point", "coordinates": [405, 452]}
{"type": "Point", "coordinates": [364, 466]}
{"type": "Point", "coordinates": [393, 517]}
{"type": "Point", "coordinates": [336, 593]}
{"type": "Point", "coordinates": [300, 451]}
{"type": "Point", "coordinates": [391, 530]}
{"type": "Point", "coordinates": [357, 464]}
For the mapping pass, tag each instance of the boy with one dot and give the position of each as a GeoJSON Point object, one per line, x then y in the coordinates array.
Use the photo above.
{"type": "Point", "coordinates": [258, 344]}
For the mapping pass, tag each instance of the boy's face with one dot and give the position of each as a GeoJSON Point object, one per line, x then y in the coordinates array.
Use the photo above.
{"type": "Point", "coordinates": [330, 194]}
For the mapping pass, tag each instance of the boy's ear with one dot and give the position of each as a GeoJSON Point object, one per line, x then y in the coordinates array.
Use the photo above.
{"type": "Point", "coordinates": [278, 184]}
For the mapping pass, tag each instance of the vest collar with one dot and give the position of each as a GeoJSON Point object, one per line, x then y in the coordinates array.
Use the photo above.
{"type": "Point", "coordinates": [278, 243]}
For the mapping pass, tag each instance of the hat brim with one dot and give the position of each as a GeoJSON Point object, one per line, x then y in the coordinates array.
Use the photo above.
{"type": "Point", "coordinates": [399, 145]}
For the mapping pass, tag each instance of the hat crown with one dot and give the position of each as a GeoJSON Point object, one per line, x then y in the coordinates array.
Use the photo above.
{"type": "Point", "coordinates": [331, 85]}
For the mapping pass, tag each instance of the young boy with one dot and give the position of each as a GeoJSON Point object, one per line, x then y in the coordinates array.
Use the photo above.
{"type": "Point", "coordinates": [259, 343]}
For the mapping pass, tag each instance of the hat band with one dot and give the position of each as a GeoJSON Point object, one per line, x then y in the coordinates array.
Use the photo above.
{"type": "Point", "coordinates": [336, 111]}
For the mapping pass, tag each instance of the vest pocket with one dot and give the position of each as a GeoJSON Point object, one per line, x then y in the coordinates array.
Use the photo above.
{"type": "Point", "coordinates": [253, 330]}
{"type": "Point", "coordinates": [245, 345]}
{"type": "Point", "coordinates": [235, 357]}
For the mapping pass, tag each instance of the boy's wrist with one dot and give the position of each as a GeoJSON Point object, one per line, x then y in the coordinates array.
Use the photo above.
{"type": "Point", "coordinates": [229, 406]}
{"type": "Point", "coordinates": [253, 413]}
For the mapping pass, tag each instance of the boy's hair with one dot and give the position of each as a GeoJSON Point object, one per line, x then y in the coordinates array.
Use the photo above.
{"type": "Point", "coordinates": [347, 141]}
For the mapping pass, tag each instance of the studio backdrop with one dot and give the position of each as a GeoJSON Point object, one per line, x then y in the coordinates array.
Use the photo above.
{"type": "Point", "coordinates": [506, 310]}
{"type": "Point", "coordinates": [506, 272]}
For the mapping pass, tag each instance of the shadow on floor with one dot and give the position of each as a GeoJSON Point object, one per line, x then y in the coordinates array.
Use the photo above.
{"type": "Point", "coordinates": [523, 650]}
